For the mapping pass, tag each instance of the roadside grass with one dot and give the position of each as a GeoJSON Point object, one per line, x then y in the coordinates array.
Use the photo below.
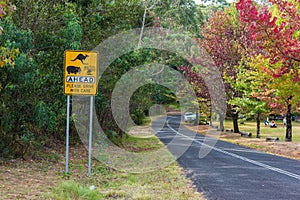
{"type": "Point", "coordinates": [43, 179]}
{"type": "Point", "coordinates": [266, 131]}
{"type": "Point", "coordinates": [174, 107]}
{"type": "Point", "coordinates": [166, 183]}
{"type": "Point", "coordinates": [74, 190]}
{"type": "Point", "coordinates": [138, 144]}
{"type": "Point", "coordinates": [281, 148]}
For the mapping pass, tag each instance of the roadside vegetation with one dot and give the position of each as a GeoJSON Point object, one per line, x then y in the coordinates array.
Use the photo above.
{"type": "Point", "coordinates": [46, 179]}
{"type": "Point", "coordinates": [276, 147]}
{"type": "Point", "coordinates": [266, 131]}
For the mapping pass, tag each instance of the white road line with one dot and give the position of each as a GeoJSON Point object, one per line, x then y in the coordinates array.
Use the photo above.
{"type": "Point", "coordinates": [164, 131]}
{"type": "Point", "coordinates": [296, 176]}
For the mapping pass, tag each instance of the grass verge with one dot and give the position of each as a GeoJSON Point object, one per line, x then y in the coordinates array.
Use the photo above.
{"type": "Point", "coordinates": [167, 183]}
{"type": "Point", "coordinates": [281, 148]}
{"type": "Point", "coordinates": [47, 180]}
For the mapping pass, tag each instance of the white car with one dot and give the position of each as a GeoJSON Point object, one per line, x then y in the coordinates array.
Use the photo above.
{"type": "Point", "coordinates": [189, 116]}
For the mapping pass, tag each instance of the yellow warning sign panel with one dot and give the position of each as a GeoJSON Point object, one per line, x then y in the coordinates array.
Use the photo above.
{"type": "Point", "coordinates": [80, 72]}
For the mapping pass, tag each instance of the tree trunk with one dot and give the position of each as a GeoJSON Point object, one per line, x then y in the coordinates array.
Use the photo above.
{"type": "Point", "coordinates": [288, 135]}
{"type": "Point", "coordinates": [221, 122]}
{"type": "Point", "coordinates": [210, 116]}
{"type": "Point", "coordinates": [258, 126]}
{"type": "Point", "coordinates": [143, 26]}
{"type": "Point", "coordinates": [235, 118]}
{"type": "Point", "coordinates": [196, 122]}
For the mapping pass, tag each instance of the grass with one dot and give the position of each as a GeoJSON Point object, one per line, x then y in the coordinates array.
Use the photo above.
{"type": "Point", "coordinates": [174, 106]}
{"type": "Point", "coordinates": [74, 190]}
{"type": "Point", "coordinates": [281, 148]}
{"type": "Point", "coordinates": [47, 180]}
{"type": "Point", "coordinates": [266, 131]}
{"type": "Point", "coordinates": [167, 183]}
{"type": "Point", "coordinates": [138, 144]}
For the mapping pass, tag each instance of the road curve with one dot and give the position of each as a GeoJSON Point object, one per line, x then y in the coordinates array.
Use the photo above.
{"type": "Point", "coordinates": [230, 171]}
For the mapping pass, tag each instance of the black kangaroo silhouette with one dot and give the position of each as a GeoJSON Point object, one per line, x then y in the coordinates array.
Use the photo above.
{"type": "Point", "coordinates": [81, 57]}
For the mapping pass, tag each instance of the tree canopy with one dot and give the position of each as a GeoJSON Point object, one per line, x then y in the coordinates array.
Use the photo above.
{"type": "Point", "coordinates": [255, 46]}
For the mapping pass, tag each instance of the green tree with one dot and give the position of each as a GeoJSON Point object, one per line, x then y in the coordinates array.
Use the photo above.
{"type": "Point", "coordinates": [248, 83]}
{"type": "Point", "coordinates": [32, 100]}
{"type": "Point", "coordinates": [17, 102]}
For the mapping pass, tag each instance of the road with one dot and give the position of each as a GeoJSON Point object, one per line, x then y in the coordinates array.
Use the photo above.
{"type": "Point", "coordinates": [230, 171]}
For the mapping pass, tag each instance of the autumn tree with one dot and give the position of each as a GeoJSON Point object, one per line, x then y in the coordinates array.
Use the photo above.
{"type": "Point", "coordinates": [276, 28]}
{"type": "Point", "coordinates": [221, 36]}
{"type": "Point", "coordinates": [249, 82]}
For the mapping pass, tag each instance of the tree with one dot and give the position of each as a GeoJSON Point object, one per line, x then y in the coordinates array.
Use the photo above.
{"type": "Point", "coordinates": [280, 93]}
{"type": "Point", "coordinates": [248, 82]}
{"type": "Point", "coordinates": [159, 14]}
{"type": "Point", "coordinates": [213, 6]}
{"type": "Point", "coordinates": [276, 29]}
{"type": "Point", "coordinates": [33, 40]}
{"type": "Point", "coordinates": [32, 103]}
{"type": "Point", "coordinates": [16, 96]}
{"type": "Point", "coordinates": [221, 37]}
{"type": "Point", "coordinates": [7, 52]}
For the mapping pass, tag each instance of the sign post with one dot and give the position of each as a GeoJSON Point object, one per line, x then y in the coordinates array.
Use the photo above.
{"type": "Point", "coordinates": [80, 78]}
{"type": "Point", "coordinates": [90, 136]}
{"type": "Point", "coordinates": [67, 133]}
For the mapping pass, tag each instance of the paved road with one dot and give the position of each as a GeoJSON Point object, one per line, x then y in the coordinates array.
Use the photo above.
{"type": "Point", "coordinates": [230, 171]}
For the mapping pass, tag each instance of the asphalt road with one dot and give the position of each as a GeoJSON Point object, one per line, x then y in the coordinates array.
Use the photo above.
{"type": "Point", "coordinates": [230, 171]}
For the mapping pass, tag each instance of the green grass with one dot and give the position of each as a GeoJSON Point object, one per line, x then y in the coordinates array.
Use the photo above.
{"type": "Point", "coordinates": [146, 121]}
{"type": "Point", "coordinates": [142, 144]}
{"type": "Point", "coordinates": [74, 190]}
{"type": "Point", "coordinates": [266, 131]}
{"type": "Point", "coordinates": [174, 106]}
{"type": "Point", "coordinates": [139, 144]}
{"type": "Point", "coordinates": [168, 182]}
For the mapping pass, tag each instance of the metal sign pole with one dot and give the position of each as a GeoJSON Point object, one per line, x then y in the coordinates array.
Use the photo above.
{"type": "Point", "coordinates": [80, 73]}
{"type": "Point", "coordinates": [90, 135]}
{"type": "Point", "coordinates": [67, 133]}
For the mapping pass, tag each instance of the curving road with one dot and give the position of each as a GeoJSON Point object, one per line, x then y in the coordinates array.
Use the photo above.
{"type": "Point", "coordinates": [230, 171]}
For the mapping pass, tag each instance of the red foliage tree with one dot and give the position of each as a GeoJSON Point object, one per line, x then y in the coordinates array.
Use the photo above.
{"type": "Point", "coordinates": [221, 38]}
{"type": "Point", "coordinates": [278, 35]}
{"type": "Point", "coordinates": [277, 30]}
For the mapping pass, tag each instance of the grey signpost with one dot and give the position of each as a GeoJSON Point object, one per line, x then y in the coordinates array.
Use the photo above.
{"type": "Point", "coordinates": [80, 78]}
{"type": "Point", "coordinates": [67, 133]}
{"type": "Point", "coordinates": [90, 136]}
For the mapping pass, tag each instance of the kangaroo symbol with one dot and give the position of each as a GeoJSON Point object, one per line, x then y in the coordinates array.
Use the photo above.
{"type": "Point", "coordinates": [80, 57]}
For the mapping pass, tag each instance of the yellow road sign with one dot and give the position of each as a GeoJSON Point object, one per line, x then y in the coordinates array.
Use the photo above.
{"type": "Point", "coordinates": [80, 72]}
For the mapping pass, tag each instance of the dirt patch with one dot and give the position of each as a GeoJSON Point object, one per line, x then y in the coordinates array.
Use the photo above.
{"type": "Point", "coordinates": [26, 179]}
{"type": "Point", "coordinates": [34, 179]}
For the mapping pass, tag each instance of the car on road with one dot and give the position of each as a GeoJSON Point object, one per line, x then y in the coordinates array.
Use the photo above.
{"type": "Point", "coordinates": [189, 116]}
